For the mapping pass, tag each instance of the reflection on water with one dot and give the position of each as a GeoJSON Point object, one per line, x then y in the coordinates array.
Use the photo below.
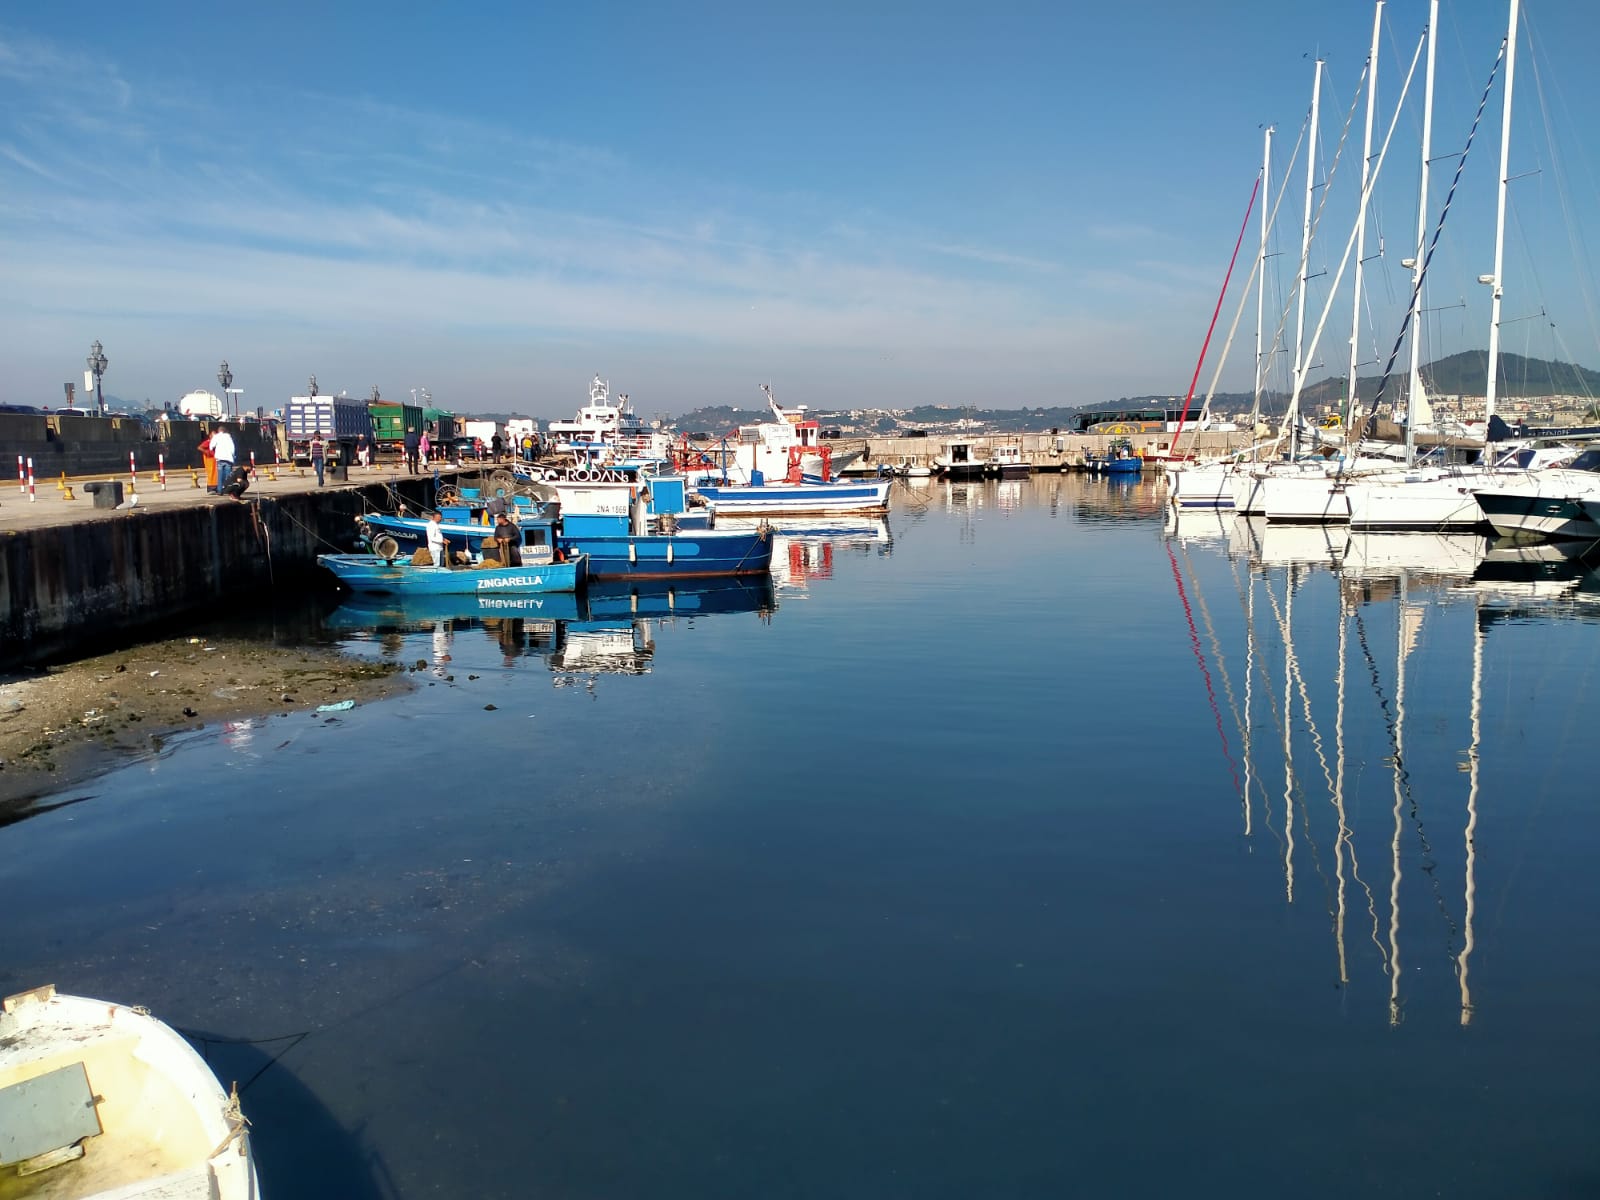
{"type": "Point", "coordinates": [1348, 682]}
{"type": "Point", "coordinates": [605, 629]}
{"type": "Point", "coordinates": [1038, 852]}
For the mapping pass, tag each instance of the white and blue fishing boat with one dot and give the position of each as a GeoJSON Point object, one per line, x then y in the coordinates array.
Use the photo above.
{"type": "Point", "coordinates": [794, 499]}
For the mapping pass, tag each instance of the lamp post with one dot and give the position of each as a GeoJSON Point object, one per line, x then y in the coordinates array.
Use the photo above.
{"type": "Point", "coordinates": [225, 378]}
{"type": "Point", "coordinates": [97, 368]}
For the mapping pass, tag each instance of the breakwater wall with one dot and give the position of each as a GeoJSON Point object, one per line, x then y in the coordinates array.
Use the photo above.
{"type": "Point", "coordinates": [69, 587]}
{"type": "Point", "coordinates": [72, 445]}
{"type": "Point", "coordinates": [1044, 451]}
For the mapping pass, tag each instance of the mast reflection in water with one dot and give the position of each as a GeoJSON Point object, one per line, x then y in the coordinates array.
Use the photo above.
{"type": "Point", "coordinates": [1353, 677]}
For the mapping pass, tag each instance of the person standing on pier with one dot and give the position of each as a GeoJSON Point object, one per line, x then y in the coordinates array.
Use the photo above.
{"type": "Point", "coordinates": [363, 451]}
{"type": "Point", "coordinates": [424, 447]}
{"type": "Point", "coordinates": [222, 447]}
{"type": "Point", "coordinates": [413, 443]}
{"type": "Point", "coordinates": [319, 454]}
{"type": "Point", "coordinates": [210, 461]}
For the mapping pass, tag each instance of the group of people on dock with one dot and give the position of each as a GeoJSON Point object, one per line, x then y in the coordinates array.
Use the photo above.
{"type": "Point", "coordinates": [223, 476]}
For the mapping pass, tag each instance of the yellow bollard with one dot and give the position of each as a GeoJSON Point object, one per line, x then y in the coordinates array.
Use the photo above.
{"type": "Point", "coordinates": [194, 478]}
{"type": "Point", "coordinates": [272, 475]}
{"type": "Point", "coordinates": [61, 484]}
{"type": "Point", "coordinates": [66, 493]}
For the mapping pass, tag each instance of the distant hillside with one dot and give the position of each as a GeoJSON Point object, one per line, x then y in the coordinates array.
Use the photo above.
{"type": "Point", "coordinates": [1466, 374]}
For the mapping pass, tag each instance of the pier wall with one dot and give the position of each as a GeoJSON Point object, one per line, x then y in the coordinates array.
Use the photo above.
{"type": "Point", "coordinates": [64, 443]}
{"type": "Point", "coordinates": [70, 586]}
{"type": "Point", "coordinates": [1044, 451]}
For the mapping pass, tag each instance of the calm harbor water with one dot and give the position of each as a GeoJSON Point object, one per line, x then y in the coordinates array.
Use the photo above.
{"type": "Point", "coordinates": [1023, 847]}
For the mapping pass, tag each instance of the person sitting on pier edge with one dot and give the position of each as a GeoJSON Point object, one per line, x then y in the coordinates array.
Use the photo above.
{"type": "Point", "coordinates": [319, 454]}
{"type": "Point", "coordinates": [412, 444]}
{"type": "Point", "coordinates": [222, 447]}
{"type": "Point", "coordinates": [237, 482]}
{"type": "Point", "coordinates": [436, 543]}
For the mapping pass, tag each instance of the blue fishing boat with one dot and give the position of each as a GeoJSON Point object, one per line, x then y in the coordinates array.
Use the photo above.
{"type": "Point", "coordinates": [399, 576]}
{"type": "Point", "coordinates": [537, 565]}
{"type": "Point", "coordinates": [611, 527]}
{"type": "Point", "coordinates": [1120, 458]}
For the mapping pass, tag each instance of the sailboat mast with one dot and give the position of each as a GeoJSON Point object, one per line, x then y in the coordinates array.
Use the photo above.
{"type": "Point", "coordinates": [1261, 277]}
{"type": "Point", "coordinates": [1305, 264]}
{"type": "Point", "coordinates": [1497, 280]}
{"type": "Point", "coordinates": [1422, 234]}
{"type": "Point", "coordinates": [1361, 228]}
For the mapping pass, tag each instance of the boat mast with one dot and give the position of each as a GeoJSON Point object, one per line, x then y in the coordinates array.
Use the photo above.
{"type": "Point", "coordinates": [1361, 228]}
{"type": "Point", "coordinates": [1305, 259]}
{"type": "Point", "coordinates": [1496, 281]}
{"type": "Point", "coordinates": [1261, 278]}
{"type": "Point", "coordinates": [1422, 233]}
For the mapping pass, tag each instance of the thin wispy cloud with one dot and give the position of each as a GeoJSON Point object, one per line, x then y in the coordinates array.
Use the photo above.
{"type": "Point", "coordinates": [356, 214]}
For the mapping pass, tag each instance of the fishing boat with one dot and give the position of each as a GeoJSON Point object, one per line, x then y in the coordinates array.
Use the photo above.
{"type": "Point", "coordinates": [961, 460]}
{"type": "Point", "coordinates": [624, 532]}
{"type": "Point", "coordinates": [607, 432]}
{"type": "Point", "coordinates": [383, 575]}
{"type": "Point", "coordinates": [797, 499]}
{"type": "Point", "coordinates": [543, 567]}
{"type": "Point", "coordinates": [1009, 463]}
{"type": "Point", "coordinates": [103, 1100]}
{"type": "Point", "coordinates": [1120, 458]}
{"type": "Point", "coordinates": [764, 450]}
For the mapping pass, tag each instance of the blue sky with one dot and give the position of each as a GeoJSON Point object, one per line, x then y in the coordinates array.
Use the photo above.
{"type": "Point", "coordinates": [875, 204]}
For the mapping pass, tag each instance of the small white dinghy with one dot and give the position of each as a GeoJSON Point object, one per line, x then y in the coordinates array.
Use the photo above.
{"type": "Point", "coordinates": [102, 1101]}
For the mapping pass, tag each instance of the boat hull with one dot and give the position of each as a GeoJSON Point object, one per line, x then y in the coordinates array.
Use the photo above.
{"type": "Point", "coordinates": [1416, 506]}
{"type": "Point", "coordinates": [154, 1114]}
{"type": "Point", "coordinates": [867, 496]}
{"type": "Point", "coordinates": [674, 556]}
{"type": "Point", "coordinates": [687, 554]}
{"type": "Point", "coordinates": [397, 577]}
{"type": "Point", "coordinates": [1524, 513]}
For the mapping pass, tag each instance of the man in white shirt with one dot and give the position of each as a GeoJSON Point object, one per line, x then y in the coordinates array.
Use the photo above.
{"type": "Point", "coordinates": [223, 450]}
{"type": "Point", "coordinates": [436, 542]}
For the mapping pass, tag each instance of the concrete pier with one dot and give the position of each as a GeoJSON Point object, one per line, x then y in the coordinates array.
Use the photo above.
{"type": "Point", "coordinates": [72, 575]}
{"type": "Point", "coordinates": [1045, 451]}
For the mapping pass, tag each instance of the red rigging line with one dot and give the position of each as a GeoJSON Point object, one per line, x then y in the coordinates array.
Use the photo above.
{"type": "Point", "coordinates": [1205, 671]}
{"type": "Point", "coordinates": [1210, 329]}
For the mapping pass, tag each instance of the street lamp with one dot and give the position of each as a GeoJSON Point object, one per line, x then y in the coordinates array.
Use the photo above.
{"type": "Point", "coordinates": [97, 367]}
{"type": "Point", "coordinates": [225, 378]}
